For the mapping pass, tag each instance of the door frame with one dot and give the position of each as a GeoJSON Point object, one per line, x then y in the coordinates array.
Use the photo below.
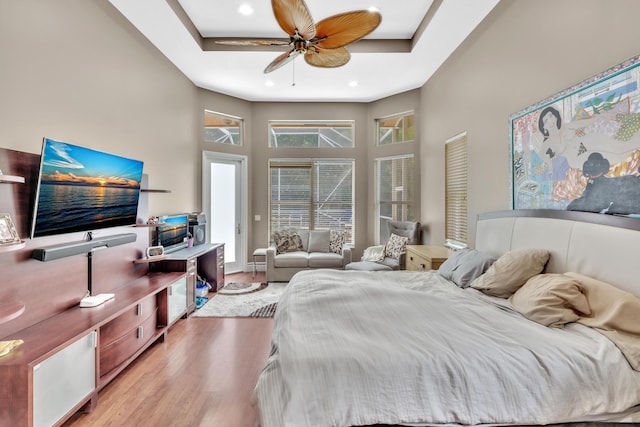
{"type": "Point", "coordinates": [209, 157]}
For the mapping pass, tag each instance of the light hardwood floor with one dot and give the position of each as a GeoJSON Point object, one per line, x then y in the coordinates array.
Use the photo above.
{"type": "Point", "coordinates": [202, 375]}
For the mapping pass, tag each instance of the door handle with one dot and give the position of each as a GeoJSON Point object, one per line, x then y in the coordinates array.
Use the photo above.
{"type": "Point", "coordinates": [238, 228]}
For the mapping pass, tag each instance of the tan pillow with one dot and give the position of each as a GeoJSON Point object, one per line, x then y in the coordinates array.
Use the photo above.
{"type": "Point", "coordinates": [551, 300]}
{"type": "Point", "coordinates": [511, 271]}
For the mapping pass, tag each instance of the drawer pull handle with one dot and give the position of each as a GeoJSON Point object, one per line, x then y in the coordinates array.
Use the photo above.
{"type": "Point", "coordinates": [140, 332]}
{"type": "Point", "coordinates": [139, 310]}
{"type": "Point", "coordinates": [423, 266]}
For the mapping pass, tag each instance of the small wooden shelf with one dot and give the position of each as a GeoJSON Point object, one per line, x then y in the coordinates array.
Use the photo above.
{"type": "Point", "coordinates": [11, 179]}
{"type": "Point", "coordinates": [10, 310]}
{"type": "Point", "coordinates": [13, 246]}
{"type": "Point", "coordinates": [151, 190]}
{"type": "Point", "coordinates": [150, 259]}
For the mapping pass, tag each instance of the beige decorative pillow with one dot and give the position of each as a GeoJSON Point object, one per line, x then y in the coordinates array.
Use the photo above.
{"type": "Point", "coordinates": [396, 246]}
{"type": "Point", "coordinates": [511, 271]}
{"type": "Point", "coordinates": [551, 300]}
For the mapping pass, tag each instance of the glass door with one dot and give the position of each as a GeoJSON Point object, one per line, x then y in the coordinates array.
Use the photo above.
{"type": "Point", "coordinates": [224, 202]}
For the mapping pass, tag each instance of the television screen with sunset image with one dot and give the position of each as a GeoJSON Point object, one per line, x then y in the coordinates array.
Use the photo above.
{"type": "Point", "coordinates": [80, 189]}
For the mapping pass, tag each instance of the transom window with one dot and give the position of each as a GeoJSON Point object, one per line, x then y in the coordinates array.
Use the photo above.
{"type": "Point", "coordinates": [222, 128]}
{"type": "Point", "coordinates": [311, 134]}
{"type": "Point", "coordinates": [314, 195]}
{"type": "Point", "coordinates": [395, 191]}
{"type": "Point", "coordinates": [395, 129]}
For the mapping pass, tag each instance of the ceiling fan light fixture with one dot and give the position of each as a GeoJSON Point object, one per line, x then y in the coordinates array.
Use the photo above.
{"type": "Point", "coordinates": [353, 83]}
{"type": "Point", "coordinates": [269, 83]}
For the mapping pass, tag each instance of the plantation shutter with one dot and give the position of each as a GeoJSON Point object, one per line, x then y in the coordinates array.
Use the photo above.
{"type": "Point", "coordinates": [456, 172]}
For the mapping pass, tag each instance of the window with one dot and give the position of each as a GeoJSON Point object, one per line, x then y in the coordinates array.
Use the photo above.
{"type": "Point", "coordinates": [222, 128]}
{"type": "Point", "coordinates": [311, 134]}
{"type": "Point", "coordinates": [395, 191]}
{"type": "Point", "coordinates": [395, 129]}
{"type": "Point", "coordinates": [313, 195]}
{"type": "Point", "coordinates": [456, 191]}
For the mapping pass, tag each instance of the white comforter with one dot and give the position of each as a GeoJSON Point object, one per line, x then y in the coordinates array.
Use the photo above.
{"type": "Point", "coordinates": [355, 348]}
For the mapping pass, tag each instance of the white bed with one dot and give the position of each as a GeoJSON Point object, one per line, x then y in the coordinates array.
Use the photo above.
{"type": "Point", "coordinates": [359, 348]}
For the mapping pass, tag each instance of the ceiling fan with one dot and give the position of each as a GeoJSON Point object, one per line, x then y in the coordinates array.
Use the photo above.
{"type": "Point", "coordinates": [322, 44]}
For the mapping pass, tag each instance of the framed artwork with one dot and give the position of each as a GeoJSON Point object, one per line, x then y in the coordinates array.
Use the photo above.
{"type": "Point", "coordinates": [8, 232]}
{"type": "Point", "coordinates": [580, 149]}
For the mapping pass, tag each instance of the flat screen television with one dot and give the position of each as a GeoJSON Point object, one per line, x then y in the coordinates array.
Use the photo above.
{"type": "Point", "coordinates": [80, 189]}
{"type": "Point", "coordinates": [173, 232]}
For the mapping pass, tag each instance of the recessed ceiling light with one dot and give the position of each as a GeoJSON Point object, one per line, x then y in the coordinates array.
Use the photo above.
{"type": "Point", "coordinates": [353, 83]}
{"type": "Point", "coordinates": [245, 9]}
{"type": "Point", "coordinates": [269, 83]}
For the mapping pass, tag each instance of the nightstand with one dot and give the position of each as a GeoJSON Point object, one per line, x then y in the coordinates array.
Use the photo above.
{"type": "Point", "coordinates": [425, 258]}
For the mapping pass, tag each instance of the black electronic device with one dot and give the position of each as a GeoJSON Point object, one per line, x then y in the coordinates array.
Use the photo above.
{"type": "Point", "coordinates": [199, 233]}
{"type": "Point", "coordinates": [197, 218]}
{"type": "Point", "coordinates": [172, 233]}
{"type": "Point", "coordinates": [63, 250]}
{"type": "Point", "coordinates": [80, 189]}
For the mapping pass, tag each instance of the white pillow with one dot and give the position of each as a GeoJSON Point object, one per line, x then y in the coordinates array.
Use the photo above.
{"type": "Point", "coordinates": [319, 241]}
{"type": "Point", "coordinates": [373, 253]}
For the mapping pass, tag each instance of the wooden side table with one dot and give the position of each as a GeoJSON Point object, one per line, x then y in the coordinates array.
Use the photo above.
{"type": "Point", "coordinates": [425, 258]}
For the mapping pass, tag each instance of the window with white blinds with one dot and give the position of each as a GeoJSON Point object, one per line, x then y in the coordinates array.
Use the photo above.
{"type": "Point", "coordinates": [313, 195]}
{"type": "Point", "coordinates": [456, 210]}
{"type": "Point", "coordinates": [395, 191]}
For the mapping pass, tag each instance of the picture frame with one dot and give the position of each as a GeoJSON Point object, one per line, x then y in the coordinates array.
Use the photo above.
{"type": "Point", "coordinates": [580, 148]}
{"type": "Point", "coordinates": [8, 233]}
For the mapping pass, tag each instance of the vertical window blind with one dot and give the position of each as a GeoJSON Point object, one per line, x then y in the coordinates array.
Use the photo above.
{"type": "Point", "coordinates": [456, 211]}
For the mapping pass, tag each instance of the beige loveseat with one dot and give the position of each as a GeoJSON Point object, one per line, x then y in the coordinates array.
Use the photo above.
{"type": "Point", "coordinates": [292, 251]}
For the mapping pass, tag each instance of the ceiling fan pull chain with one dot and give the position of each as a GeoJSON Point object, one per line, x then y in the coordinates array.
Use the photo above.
{"type": "Point", "coordinates": [293, 72]}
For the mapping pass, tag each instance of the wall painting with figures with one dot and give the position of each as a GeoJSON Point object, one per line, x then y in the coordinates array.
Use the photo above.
{"type": "Point", "coordinates": [580, 149]}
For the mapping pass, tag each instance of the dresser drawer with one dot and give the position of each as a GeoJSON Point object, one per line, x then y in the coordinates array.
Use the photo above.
{"type": "Point", "coordinates": [425, 258]}
{"type": "Point", "coordinates": [127, 320]}
{"type": "Point", "coordinates": [417, 263]}
{"type": "Point", "coordinates": [114, 354]}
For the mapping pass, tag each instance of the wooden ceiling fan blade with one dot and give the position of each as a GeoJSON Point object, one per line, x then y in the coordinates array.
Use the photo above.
{"type": "Point", "coordinates": [281, 60]}
{"type": "Point", "coordinates": [327, 58]}
{"type": "Point", "coordinates": [345, 28]}
{"type": "Point", "coordinates": [292, 16]}
{"type": "Point", "coordinates": [251, 42]}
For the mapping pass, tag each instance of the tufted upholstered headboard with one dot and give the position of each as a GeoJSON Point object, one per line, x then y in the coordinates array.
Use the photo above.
{"type": "Point", "coordinates": [601, 246]}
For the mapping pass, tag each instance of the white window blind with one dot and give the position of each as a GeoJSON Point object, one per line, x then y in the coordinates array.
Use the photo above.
{"type": "Point", "coordinates": [456, 210]}
{"type": "Point", "coordinates": [314, 195]}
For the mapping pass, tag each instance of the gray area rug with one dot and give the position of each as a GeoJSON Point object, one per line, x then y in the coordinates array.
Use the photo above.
{"type": "Point", "coordinates": [259, 303]}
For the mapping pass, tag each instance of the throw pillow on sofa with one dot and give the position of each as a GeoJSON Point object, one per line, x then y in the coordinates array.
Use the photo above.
{"type": "Point", "coordinates": [337, 239]}
{"type": "Point", "coordinates": [319, 241]}
{"type": "Point", "coordinates": [286, 241]}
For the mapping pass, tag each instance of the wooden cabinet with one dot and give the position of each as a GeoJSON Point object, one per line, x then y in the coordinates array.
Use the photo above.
{"type": "Point", "coordinates": [63, 380]}
{"type": "Point", "coordinates": [66, 359]}
{"type": "Point", "coordinates": [177, 300]}
{"type": "Point", "coordinates": [425, 258]}
{"type": "Point", "coordinates": [206, 261]}
{"type": "Point", "coordinates": [125, 335]}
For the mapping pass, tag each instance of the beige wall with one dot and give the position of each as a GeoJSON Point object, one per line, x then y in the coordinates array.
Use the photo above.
{"type": "Point", "coordinates": [79, 72]}
{"type": "Point", "coordinates": [523, 52]}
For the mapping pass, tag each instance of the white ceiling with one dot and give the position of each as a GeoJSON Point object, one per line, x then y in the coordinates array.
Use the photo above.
{"type": "Point", "coordinates": [414, 38]}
